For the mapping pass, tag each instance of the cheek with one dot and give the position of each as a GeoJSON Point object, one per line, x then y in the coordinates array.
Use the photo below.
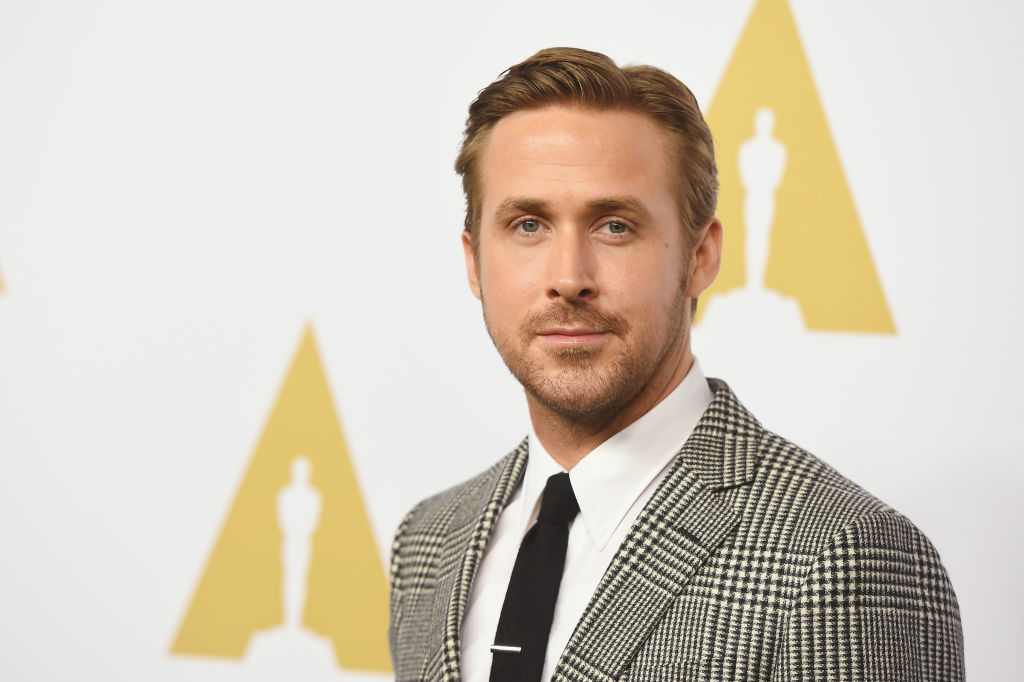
{"type": "Point", "coordinates": [508, 279]}
{"type": "Point", "coordinates": [506, 295]}
{"type": "Point", "coordinates": [646, 290]}
{"type": "Point", "coordinates": [642, 277]}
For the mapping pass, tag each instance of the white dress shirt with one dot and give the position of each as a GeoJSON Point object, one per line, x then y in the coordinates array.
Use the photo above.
{"type": "Point", "coordinates": [612, 484]}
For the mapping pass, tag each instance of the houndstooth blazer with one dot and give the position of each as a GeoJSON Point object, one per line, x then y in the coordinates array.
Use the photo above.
{"type": "Point", "coordinates": [753, 560]}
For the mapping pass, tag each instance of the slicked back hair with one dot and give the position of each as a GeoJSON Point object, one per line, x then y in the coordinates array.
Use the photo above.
{"type": "Point", "coordinates": [572, 77]}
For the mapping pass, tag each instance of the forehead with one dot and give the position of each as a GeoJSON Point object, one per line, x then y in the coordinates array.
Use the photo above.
{"type": "Point", "coordinates": [576, 153]}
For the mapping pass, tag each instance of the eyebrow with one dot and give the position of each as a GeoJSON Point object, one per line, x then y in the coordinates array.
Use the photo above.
{"type": "Point", "coordinates": [623, 204]}
{"type": "Point", "coordinates": [620, 204]}
{"type": "Point", "coordinates": [514, 205]}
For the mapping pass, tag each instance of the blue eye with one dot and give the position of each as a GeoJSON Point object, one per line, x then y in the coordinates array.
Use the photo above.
{"type": "Point", "coordinates": [617, 228]}
{"type": "Point", "coordinates": [530, 225]}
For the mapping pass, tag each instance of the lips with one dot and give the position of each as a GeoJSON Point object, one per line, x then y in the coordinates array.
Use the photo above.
{"type": "Point", "coordinates": [577, 326]}
{"type": "Point", "coordinates": [569, 331]}
{"type": "Point", "coordinates": [572, 336]}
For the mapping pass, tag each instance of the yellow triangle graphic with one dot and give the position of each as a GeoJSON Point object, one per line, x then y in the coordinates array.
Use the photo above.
{"type": "Point", "coordinates": [817, 252]}
{"type": "Point", "coordinates": [240, 592]}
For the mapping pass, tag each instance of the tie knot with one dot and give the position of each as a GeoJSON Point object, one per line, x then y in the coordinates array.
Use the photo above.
{"type": "Point", "coordinates": [558, 505]}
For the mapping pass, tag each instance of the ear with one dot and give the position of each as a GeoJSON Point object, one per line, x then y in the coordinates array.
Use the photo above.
{"type": "Point", "coordinates": [707, 258]}
{"type": "Point", "coordinates": [471, 264]}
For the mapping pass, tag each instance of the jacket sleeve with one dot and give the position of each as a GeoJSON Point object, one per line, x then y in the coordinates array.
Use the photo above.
{"type": "Point", "coordinates": [876, 605]}
{"type": "Point", "coordinates": [395, 584]}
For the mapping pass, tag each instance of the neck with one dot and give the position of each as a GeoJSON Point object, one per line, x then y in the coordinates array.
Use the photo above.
{"type": "Point", "coordinates": [569, 439]}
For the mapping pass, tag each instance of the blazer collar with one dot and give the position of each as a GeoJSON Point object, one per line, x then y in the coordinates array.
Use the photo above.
{"type": "Point", "coordinates": [722, 450]}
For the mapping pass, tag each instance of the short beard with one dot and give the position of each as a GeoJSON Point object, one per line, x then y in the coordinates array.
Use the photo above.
{"type": "Point", "coordinates": [581, 389]}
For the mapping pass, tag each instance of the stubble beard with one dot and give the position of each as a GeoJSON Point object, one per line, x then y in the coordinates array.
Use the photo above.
{"type": "Point", "coordinates": [580, 383]}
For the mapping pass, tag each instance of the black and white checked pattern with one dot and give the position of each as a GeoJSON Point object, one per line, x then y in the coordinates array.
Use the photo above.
{"type": "Point", "coordinates": [753, 560]}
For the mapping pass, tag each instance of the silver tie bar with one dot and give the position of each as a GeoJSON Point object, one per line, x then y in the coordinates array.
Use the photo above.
{"type": "Point", "coordinates": [502, 649]}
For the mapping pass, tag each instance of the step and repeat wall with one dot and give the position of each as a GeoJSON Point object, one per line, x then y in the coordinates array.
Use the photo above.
{"type": "Point", "coordinates": [236, 341]}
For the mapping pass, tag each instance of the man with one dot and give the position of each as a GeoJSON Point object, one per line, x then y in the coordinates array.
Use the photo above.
{"type": "Point", "coordinates": [696, 545]}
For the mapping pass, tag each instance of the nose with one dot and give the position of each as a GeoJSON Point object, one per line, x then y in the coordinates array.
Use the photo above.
{"type": "Point", "coordinates": [571, 268]}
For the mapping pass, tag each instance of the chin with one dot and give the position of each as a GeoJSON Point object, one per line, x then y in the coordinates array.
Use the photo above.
{"type": "Point", "coordinates": [579, 382]}
{"type": "Point", "coordinates": [576, 410]}
{"type": "Point", "coordinates": [582, 392]}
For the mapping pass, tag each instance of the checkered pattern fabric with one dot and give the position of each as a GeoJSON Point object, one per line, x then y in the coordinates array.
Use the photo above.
{"type": "Point", "coordinates": [753, 560]}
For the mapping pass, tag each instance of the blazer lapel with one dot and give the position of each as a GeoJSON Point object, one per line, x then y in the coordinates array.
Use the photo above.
{"type": "Point", "coordinates": [468, 532]}
{"type": "Point", "coordinates": [679, 528]}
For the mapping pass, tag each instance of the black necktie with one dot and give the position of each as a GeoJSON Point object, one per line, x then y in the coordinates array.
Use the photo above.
{"type": "Point", "coordinates": [526, 615]}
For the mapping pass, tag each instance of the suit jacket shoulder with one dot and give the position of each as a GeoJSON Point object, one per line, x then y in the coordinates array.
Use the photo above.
{"type": "Point", "coordinates": [812, 497]}
{"type": "Point", "coordinates": [869, 598]}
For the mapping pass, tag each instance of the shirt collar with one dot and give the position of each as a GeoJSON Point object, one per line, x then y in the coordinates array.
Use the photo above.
{"type": "Point", "coordinates": [609, 479]}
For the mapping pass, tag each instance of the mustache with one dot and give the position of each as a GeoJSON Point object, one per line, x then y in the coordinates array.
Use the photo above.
{"type": "Point", "coordinates": [573, 315]}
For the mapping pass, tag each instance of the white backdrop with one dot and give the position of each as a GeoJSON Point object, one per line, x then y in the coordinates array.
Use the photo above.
{"type": "Point", "coordinates": [184, 185]}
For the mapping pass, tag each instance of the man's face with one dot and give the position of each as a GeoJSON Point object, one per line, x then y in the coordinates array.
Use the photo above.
{"type": "Point", "coordinates": [582, 266]}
